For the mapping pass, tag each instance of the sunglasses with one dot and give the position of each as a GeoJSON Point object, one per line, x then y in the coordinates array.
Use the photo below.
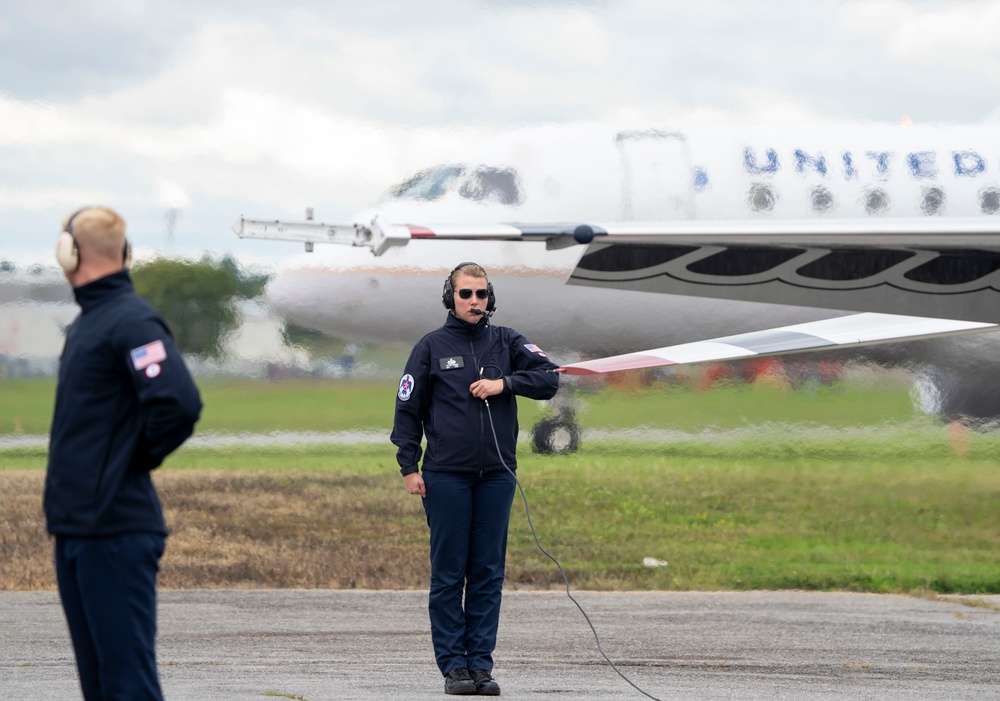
{"type": "Point", "coordinates": [466, 293]}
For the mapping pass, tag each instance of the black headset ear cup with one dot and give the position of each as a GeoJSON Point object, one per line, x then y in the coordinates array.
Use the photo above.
{"type": "Point", "coordinates": [67, 254]}
{"type": "Point", "coordinates": [448, 294]}
{"type": "Point", "coordinates": [491, 301]}
{"type": "Point", "coordinates": [127, 254]}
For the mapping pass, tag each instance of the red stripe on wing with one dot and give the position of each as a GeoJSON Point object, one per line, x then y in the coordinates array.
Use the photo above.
{"type": "Point", "coordinates": [420, 232]}
{"type": "Point", "coordinates": [634, 361]}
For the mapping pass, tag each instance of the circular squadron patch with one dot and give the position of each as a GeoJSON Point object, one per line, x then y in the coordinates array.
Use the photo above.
{"type": "Point", "coordinates": [405, 387]}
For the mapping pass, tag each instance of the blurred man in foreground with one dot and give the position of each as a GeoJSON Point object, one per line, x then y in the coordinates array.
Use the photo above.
{"type": "Point", "coordinates": [124, 401]}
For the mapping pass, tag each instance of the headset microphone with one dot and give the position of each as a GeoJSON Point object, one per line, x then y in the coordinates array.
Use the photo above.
{"type": "Point", "coordinates": [480, 312]}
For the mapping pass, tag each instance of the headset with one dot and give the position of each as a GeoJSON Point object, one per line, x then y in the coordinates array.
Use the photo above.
{"type": "Point", "coordinates": [68, 253]}
{"type": "Point", "coordinates": [448, 294]}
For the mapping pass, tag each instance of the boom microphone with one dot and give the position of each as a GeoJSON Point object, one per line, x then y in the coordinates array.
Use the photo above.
{"type": "Point", "coordinates": [480, 312]}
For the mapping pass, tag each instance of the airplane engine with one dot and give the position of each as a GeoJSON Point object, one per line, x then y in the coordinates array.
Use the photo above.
{"type": "Point", "coordinates": [954, 379]}
{"type": "Point", "coordinates": [971, 399]}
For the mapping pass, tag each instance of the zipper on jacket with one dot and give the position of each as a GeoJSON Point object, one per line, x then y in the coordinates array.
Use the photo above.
{"type": "Point", "coordinates": [482, 422]}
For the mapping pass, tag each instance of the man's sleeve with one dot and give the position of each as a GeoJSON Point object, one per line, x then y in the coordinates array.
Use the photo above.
{"type": "Point", "coordinates": [169, 403]}
{"type": "Point", "coordinates": [412, 397]}
{"type": "Point", "coordinates": [534, 375]}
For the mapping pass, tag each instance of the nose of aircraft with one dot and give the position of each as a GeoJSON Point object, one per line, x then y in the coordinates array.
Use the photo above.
{"type": "Point", "coordinates": [357, 304]}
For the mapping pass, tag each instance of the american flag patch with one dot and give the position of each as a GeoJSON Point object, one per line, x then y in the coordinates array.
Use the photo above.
{"type": "Point", "coordinates": [534, 349]}
{"type": "Point", "coordinates": [148, 354]}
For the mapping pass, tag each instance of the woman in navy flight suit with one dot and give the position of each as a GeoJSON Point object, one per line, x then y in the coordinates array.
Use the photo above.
{"type": "Point", "coordinates": [457, 390]}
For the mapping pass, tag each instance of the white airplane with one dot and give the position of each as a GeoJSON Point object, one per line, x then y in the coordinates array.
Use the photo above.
{"type": "Point", "coordinates": [892, 219]}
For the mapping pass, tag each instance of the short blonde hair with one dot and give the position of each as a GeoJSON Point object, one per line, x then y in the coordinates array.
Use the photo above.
{"type": "Point", "coordinates": [470, 269]}
{"type": "Point", "coordinates": [98, 230]}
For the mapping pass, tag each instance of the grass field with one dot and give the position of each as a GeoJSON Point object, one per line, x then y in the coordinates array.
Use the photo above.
{"type": "Point", "coordinates": [837, 489]}
{"type": "Point", "coordinates": [327, 405]}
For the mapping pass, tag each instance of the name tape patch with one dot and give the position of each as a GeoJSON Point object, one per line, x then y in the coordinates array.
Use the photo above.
{"type": "Point", "coordinates": [453, 363]}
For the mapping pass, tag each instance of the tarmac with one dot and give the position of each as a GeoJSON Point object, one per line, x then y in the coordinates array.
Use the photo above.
{"type": "Point", "coordinates": [317, 645]}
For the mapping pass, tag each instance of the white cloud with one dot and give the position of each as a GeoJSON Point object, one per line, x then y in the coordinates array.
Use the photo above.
{"type": "Point", "coordinates": [961, 34]}
{"type": "Point", "coordinates": [28, 123]}
{"type": "Point", "coordinates": [965, 34]}
{"type": "Point", "coordinates": [171, 195]}
{"type": "Point", "coordinates": [58, 198]}
{"type": "Point", "coordinates": [565, 36]}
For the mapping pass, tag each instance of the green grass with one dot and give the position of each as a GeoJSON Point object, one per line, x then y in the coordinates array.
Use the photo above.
{"type": "Point", "coordinates": [26, 405]}
{"type": "Point", "coordinates": [735, 522]}
{"type": "Point", "coordinates": [735, 406]}
{"type": "Point", "coordinates": [260, 406]}
{"type": "Point", "coordinates": [235, 406]}
{"type": "Point", "coordinates": [872, 497]}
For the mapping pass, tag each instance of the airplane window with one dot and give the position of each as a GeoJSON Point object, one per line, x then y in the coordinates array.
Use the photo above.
{"type": "Point", "coordinates": [622, 258]}
{"type": "Point", "coordinates": [744, 260]}
{"type": "Point", "coordinates": [876, 201]}
{"type": "Point", "coordinates": [761, 197]}
{"type": "Point", "coordinates": [989, 200]}
{"type": "Point", "coordinates": [492, 185]}
{"type": "Point", "coordinates": [955, 267]}
{"type": "Point", "coordinates": [933, 200]}
{"type": "Point", "coordinates": [430, 184]}
{"type": "Point", "coordinates": [853, 263]}
{"type": "Point", "coordinates": [822, 199]}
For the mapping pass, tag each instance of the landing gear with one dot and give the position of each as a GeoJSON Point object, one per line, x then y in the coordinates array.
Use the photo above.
{"type": "Point", "coordinates": [556, 435]}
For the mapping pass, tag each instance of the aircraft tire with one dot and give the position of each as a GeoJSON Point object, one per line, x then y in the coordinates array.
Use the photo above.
{"type": "Point", "coordinates": [555, 436]}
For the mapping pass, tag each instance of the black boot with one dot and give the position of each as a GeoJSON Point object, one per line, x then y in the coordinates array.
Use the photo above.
{"type": "Point", "coordinates": [459, 683]}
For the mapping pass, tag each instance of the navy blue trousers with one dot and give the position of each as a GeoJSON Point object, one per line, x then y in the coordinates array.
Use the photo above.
{"type": "Point", "coordinates": [108, 591]}
{"type": "Point", "coordinates": [468, 517]}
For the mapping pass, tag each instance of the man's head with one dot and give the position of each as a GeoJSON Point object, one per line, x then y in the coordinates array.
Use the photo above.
{"type": "Point", "coordinates": [92, 244]}
{"type": "Point", "coordinates": [466, 289]}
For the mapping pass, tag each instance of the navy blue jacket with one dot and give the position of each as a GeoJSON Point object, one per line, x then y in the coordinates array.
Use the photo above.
{"type": "Point", "coordinates": [125, 400]}
{"type": "Point", "coordinates": [434, 398]}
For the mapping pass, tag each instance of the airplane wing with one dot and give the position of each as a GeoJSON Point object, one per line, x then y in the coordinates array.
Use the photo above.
{"type": "Point", "coordinates": [940, 267]}
{"type": "Point", "coordinates": [308, 232]}
{"type": "Point", "coordinates": [841, 332]}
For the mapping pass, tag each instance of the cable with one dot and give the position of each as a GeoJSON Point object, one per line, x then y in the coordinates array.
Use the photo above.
{"type": "Point", "coordinates": [547, 554]}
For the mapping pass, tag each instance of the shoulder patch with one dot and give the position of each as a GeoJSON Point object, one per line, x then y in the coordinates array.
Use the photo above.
{"type": "Point", "coordinates": [144, 356]}
{"type": "Point", "coordinates": [535, 349]}
{"type": "Point", "coordinates": [405, 387]}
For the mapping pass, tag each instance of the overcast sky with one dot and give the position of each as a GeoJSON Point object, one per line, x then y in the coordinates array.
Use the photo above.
{"type": "Point", "coordinates": [216, 109]}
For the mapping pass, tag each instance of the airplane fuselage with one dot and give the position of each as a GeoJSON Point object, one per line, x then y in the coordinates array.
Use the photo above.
{"type": "Point", "coordinates": [712, 173]}
{"type": "Point", "coordinates": [856, 180]}
{"type": "Point", "coordinates": [852, 173]}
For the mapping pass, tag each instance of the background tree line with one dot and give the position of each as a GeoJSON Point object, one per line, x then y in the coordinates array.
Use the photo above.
{"type": "Point", "coordinates": [197, 298]}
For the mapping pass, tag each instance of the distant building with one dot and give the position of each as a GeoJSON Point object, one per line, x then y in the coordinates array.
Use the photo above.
{"type": "Point", "coordinates": [35, 311]}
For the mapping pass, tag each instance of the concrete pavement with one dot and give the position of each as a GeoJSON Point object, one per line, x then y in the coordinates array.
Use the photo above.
{"type": "Point", "coordinates": [319, 645]}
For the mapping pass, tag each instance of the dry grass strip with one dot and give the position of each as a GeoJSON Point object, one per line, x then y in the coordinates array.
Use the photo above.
{"type": "Point", "coordinates": [248, 530]}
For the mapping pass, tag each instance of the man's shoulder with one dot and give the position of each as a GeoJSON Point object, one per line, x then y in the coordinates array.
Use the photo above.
{"type": "Point", "coordinates": [136, 322]}
{"type": "Point", "coordinates": [132, 307]}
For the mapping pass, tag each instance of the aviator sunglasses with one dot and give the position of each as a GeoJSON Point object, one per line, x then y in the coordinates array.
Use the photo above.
{"type": "Point", "coordinates": [466, 293]}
